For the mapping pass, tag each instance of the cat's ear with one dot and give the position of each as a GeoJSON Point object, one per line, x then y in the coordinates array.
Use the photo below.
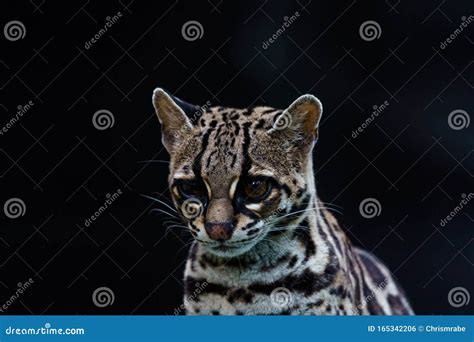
{"type": "Point", "coordinates": [171, 112]}
{"type": "Point", "coordinates": [300, 121]}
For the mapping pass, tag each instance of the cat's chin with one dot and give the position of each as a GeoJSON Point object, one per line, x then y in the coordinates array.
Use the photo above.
{"type": "Point", "coordinates": [227, 251]}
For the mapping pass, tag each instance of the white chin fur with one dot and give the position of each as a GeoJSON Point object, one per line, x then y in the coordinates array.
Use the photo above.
{"type": "Point", "coordinates": [233, 252]}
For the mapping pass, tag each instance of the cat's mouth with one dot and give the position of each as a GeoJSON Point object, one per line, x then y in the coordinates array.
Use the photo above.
{"type": "Point", "coordinates": [231, 248]}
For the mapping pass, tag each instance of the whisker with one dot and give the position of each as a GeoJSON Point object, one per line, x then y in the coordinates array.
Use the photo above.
{"type": "Point", "coordinates": [296, 212]}
{"type": "Point", "coordinates": [172, 221]}
{"type": "Point", "coordinates": [288, 227]}
{"type": "Point", "coordinates": [154, 161]}
{"type": "Point", "coordinates": [186, 244]}
{"type": "Point", "coordinates": [160, 201]}
{"type": "Point", "coordinates": [169, 225]}
{"type": "Point", "coordinates": [177, 226]}
{"type": "Point", "coordinates": [333, 210]}
{"type": "Point", "coordinates": [163, 211]}
{"type": "Point", "coordinates": [162, 195]}
{"type": "Point", "coordinates": [330, 204]}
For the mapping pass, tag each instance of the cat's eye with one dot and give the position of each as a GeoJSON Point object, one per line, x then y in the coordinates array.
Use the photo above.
{"type": "Point", "coordinates": [187, 189]}
{"type": "Point", "coordinates": [257, 189]}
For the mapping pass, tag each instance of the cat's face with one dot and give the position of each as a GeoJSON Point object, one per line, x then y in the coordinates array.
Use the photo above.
{"type": "Point", "coordinates": [235, 174]}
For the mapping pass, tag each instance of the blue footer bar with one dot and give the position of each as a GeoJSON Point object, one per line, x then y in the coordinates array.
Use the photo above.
{"type": "Point", "coordinates": [242, 329]}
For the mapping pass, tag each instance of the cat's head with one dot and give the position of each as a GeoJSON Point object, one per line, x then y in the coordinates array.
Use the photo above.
{"type": "Point", "coordinates": [238, 176]}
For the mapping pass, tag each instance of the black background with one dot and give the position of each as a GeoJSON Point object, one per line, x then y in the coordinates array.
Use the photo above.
{"type": "Point", "coordinates": [53, 158]}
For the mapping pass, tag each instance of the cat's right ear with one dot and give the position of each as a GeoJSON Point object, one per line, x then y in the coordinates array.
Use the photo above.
{"type": "Point", "coordinates": [175, 124]}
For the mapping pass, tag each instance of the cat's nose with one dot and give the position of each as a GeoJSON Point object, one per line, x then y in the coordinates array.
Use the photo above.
{"type": "Point", "coordinates": [219, 231]}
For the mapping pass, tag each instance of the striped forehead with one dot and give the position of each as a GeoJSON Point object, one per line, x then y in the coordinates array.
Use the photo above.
{"type": "Point", "coordinates": [220, 144]}
{"type": "Point", "coordinates": [225, 135]}
{"type": "Point", "coordinates": [226, 132]}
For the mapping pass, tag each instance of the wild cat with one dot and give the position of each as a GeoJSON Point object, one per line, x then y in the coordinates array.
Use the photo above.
{"type": "Point", "coordinates": [243, 182]}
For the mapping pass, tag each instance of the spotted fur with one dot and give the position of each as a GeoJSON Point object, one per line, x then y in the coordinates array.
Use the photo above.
{"type": "Point", "coordinates": [284, 254]}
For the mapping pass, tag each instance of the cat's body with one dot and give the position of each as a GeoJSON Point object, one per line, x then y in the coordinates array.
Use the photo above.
{"type": "Point", "coordinates": [313, 271]}
{"type": "Point", "coordinates": [265, 244]}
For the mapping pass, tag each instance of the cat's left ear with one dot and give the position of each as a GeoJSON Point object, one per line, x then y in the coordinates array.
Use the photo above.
{"type": "Point", "coordinates": [171, 112]}
{"type": "Point", "coordinates": [300, 120]}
